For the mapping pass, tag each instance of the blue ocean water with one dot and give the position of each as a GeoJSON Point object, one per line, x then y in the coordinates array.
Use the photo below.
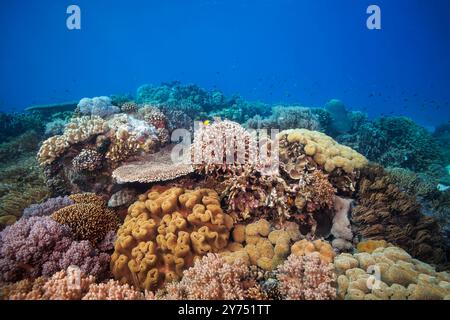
{"type": "Point", "coordinates": [271, 50]}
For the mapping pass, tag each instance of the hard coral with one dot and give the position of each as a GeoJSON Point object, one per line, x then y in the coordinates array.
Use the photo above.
{"type": "Point", "coordinates": [87, 159]}
{"type": "Point", "coordinates": [223, 147]}
{"type": "Point", "coordinates": [164, 232]}
{"type": "Point", "coordinates": [78, 130]}
{"type": "Point", "coordinates": [154, 167]}
{"type": "Point", "coordinates": [88, 220]}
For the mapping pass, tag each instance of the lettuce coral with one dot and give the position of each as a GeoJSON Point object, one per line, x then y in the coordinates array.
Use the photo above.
{"type": "Point", "coordinates": [164, 232]}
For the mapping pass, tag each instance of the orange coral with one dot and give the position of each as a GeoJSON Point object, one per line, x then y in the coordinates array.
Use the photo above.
{"type": "Point", "coordinates": [370, 245]}
{"type": "Point", "coordinates": [164, 232]}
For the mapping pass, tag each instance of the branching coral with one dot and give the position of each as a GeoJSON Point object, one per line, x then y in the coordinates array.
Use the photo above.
{"type": "Point", "coordinates": [164, 232]}
{"type": "Point", "coordinates": [388, 273]}
{"type": "Point", "coordinates": [88, 220]}
{"type": "Point", "coordinates": [385, 212]}
{"type": "Point", "coordinates": [306, 278]}
{"type": "Point", "coordinates": [211, 278]}
{"type": "Point", "coordinates": [223, 147]}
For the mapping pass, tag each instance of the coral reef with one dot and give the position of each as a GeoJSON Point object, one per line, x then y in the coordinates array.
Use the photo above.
{"type": "Point", "coordinates": [40, 246]}
{"type": "Point", "coordinates": [223, 147]}
{"type": "Point", "coordinates": [211, 278]}
{"type": "Point", "coordinates": [164, 232]}
{"type": "Point", "coordinates": [306, 278]}
{"type": "Point", "coordinates": [87, 220]}
{"type": "Point", "coordinates": [152, 168]}
{"type": "Point", "coordinates": [385, 212]}
{"type": "Point", "coordinates": [257, 244]}
{"type": "Point", "coordinates": [47, 207]}
{"type": "Point", "coordinates": [388, 273]}
{"type": "Point", "coordinates": [340, 118]}
{"type": "Point", "coordinates": [98, 106]}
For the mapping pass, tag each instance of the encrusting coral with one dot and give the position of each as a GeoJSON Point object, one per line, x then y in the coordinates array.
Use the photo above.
{"type": "Point", "coordinates": [306, 278]}
{"type": "Point", "coordinates": [388, 273]}
{"type": "Point", "coordinates": [164, 232]}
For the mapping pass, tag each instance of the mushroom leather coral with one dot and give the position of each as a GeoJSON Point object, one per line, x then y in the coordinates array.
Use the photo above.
{"type": "Point", "coordinates": [400, 277]}
{"type": "Point", "coordinates": [385, 212]}
{"type": "Point", "coordinates": [165, 231]}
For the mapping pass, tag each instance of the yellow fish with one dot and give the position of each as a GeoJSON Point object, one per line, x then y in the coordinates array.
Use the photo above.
{"type": "Point", "coordinates": [206, 122]}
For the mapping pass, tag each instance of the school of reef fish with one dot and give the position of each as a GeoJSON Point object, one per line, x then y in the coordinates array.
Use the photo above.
{"type": "Point", "coordinates": [356, 209]}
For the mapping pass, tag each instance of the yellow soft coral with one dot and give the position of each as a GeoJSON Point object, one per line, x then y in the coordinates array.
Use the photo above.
{"type": "Point", "coordinates": [324, 150]}
{"type": "Point", "coordinates": [258, 245]}
{"type": "Point", "coordinates": [370, 245]}
{"type": "Point", "coordinates": [164, 232]}
{"type": "Point", "coordinates": [305, 247]}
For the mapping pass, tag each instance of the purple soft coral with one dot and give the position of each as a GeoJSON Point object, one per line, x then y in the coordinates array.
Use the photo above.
{"type": "Point", "coordinates": [47, 208]}
{"type": "Point", "coordinates": [41, 246]}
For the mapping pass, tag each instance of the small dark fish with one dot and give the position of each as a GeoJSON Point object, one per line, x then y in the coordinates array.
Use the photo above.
{"type": "Point", "coordinates": [371, 95]}
{"type": "Point", "coordinates": [217, 72]}
{"type": "Point", "coordinates": [67, 90]}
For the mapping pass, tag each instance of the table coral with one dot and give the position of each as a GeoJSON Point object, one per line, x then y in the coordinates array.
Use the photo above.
{"type": "Point", "coordinates": [164, 232]}
{"type": "Point", "coordinates": [151, 168]}
{"type": "Point", "coordinates": [306, 278]}
{"type": "Point", "coordinates": [388, 273]}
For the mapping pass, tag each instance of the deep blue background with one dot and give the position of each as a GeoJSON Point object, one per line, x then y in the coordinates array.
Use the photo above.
{"type": "Point", "coordinates": [275, 51]}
